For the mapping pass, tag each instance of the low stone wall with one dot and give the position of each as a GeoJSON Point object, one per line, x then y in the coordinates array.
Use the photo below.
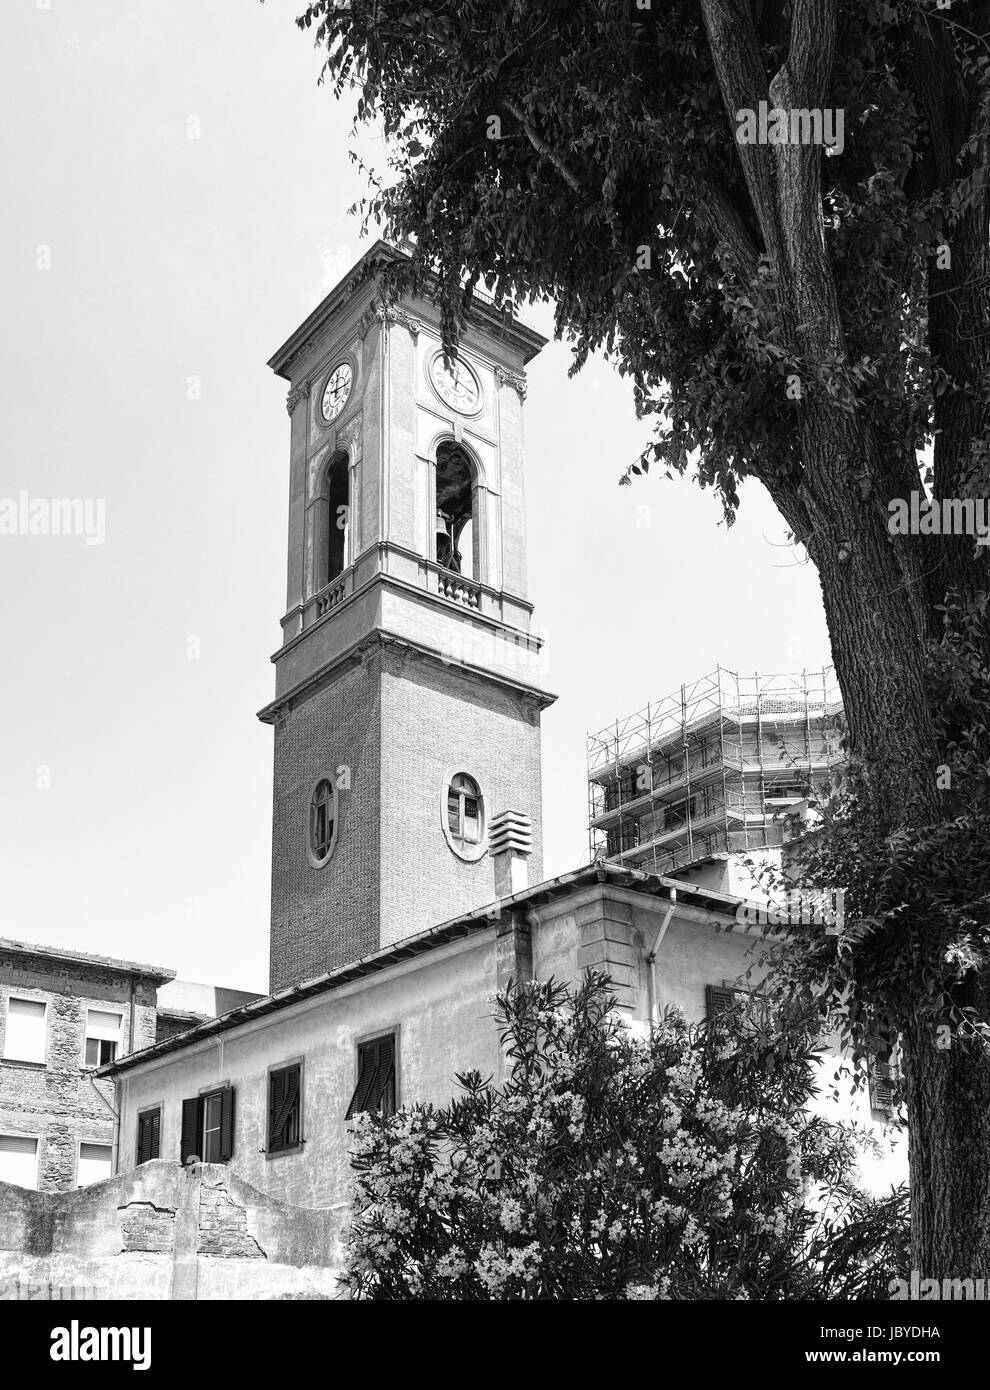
{"type": "Point", "coordinates": [165, 1232]}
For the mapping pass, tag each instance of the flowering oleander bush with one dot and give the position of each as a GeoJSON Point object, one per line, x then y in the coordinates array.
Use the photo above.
{"type": "Point", "coordinates": [607, 1165]}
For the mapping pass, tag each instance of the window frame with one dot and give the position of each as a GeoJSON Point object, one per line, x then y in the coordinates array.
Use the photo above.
{"type": "Point", "coordinates": [205, 1093]}
{"type": "Point", "coordinates": [95, 1008]}
{"type": "Point", "coordinates": [16, 1134]}
{"type": "Point", "coordinates": [145, 1111]}
{"type": "Point", "coordinates": [26, 998]}
{"type": "Point", "coordinates": [466, 850]}
{"type": "Point", "coordinates": [206, 1102]}
{"type": "Point", "coordinates": [93, 1144]}
{"type": "Point", "coordinates": [284, 1149]}
{"type": "Point", "coordinates": [379, 1034]}
{"type": "Point", "coordinates": [315, 861]}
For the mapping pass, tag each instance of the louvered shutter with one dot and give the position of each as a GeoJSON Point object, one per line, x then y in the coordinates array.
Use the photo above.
{"type": "Point", "coordinates": [276, 1096]}
{"type": "Point", "coordinates": [191, 1120]}
{"type": "Point", "coordinates": [367, 1069]}
{"type": "Point", "coordinates": [718, 999]}
{"type": "Point", "coordinates": [384, 1092]}
{"type": "Point", "coordinates": [149, 1135]}
{"type": "Point", "coordinates": [226, 1123]}
{"type": "Point", "coordinates": [144, 1139]}
{"type": "Point", "coordinates": [284, 1098]}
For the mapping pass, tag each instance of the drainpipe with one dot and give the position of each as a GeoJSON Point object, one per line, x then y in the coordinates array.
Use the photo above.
{"type": "Point", "coordinates": [651, 959]}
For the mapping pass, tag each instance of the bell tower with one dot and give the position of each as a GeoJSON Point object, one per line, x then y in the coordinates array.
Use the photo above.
{"type": "Point", "coordinates": [407, 693]}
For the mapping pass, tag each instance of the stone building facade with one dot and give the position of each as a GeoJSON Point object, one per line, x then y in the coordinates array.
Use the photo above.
{"type": "Point", "coordinates": [62, 1015]}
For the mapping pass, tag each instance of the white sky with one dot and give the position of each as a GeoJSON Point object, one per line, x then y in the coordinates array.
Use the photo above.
{"type": "Point", "coordinates": [173, 258]}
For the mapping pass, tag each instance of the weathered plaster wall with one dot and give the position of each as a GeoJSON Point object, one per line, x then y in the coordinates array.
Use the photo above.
{"type": "Point", "coordinates": [162, 1232]}
{"type": "Point", "coordinates": [440, 1007]}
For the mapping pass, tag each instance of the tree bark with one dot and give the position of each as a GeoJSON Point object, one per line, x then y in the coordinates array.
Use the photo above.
{"type": "Point", "coordinates": [881, 594]}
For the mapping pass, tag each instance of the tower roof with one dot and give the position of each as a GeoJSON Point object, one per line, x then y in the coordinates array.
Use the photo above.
{"type": "Point", "coordinates": [380, 254]}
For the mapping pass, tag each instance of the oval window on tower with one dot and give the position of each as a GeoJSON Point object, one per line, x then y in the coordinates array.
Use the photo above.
{"type": "Point", "coordinates": [464, 816]}
{"type": "Point", "coordinates": [322, 822]}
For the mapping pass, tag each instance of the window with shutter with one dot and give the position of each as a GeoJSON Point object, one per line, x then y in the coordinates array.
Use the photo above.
{"type": "Point", "coordinates": [465, 811]}
{"type": "Point", "coordinates": [375, 1089]}
{"type": "Point", "coordinates": [149, 1135]}
{"type": "Point", "coordinates": [718, 998]}
{"type": "Point", "coordinates": [103, 1035]}
{"type": "Point", "coordinates": [883, 1083]}
{"type": "Point", "coordinates": [284, 1108]}
{"type": "Point", "coordinates": [191, 1123]}
{"type": "Point", "coordinates": [226, 1123]}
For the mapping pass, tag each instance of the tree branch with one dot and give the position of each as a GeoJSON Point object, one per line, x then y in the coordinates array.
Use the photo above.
{"type": "Point", "coordinates": [541, 147]}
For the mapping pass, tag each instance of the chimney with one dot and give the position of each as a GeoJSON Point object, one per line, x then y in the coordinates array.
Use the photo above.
{"type": "Point", "coordinates": [510, 842]}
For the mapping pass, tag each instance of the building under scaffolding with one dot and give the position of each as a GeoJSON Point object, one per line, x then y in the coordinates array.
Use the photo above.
{"type": "Point", "coordinates": [712, 768]}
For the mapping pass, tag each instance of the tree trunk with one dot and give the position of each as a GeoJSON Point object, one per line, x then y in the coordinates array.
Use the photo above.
{"type": "Point", "coordinates": [948, 1105]}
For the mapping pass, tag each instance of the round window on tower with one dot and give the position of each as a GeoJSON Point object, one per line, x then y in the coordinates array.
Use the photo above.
{"type": "Point", "coordinates": [322, 827]}
{"type": "Point", "coordinates": [463, 815]}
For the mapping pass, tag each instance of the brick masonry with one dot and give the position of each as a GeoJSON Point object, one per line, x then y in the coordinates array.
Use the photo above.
{"type": "Point", "coordinates": [59, 1102]}
{"type": "Point", "coordinates": [401, 723]}
{"type": "Point", "coordinates": [323, 917]}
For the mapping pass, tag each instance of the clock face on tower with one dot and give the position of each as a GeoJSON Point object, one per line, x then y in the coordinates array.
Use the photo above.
{"type": "Point", "coordinates": [336, 391]}
{"type": "Point", "coordinates": [458, 386]}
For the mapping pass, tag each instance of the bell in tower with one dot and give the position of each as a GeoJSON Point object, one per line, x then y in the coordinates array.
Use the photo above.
{"type": "Point", "coordinates": [408, 692]}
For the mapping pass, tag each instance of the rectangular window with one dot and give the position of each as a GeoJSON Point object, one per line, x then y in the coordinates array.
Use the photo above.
{"type": "Point", "coordinates": [19, 1160]}
{"type": "Point", "coordinates": [208, 1127]}
{"type": "Point", "coordinates": [882, 1074]}
{"type": "Point", "coordinates": [284, 1108]}
{"type": "Point", "coordinates": [149, 1140]}
{"type": "Point", "coordinates": [718, 998]}
{"type": "Point", "coordinates": [103, 1031]}
{"type": "Point", "coordinates": [95, 1164]}
{"type": "Point", "coordinates": [24, 1036]}
{"type": "Point", "coordinates": [212, 1114]}
{"type": "Point", "coordinates": [375, 1089]}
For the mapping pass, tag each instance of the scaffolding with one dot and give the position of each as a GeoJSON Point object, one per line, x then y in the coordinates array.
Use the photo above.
{"type": "Point", "coordinates": [711, 768]}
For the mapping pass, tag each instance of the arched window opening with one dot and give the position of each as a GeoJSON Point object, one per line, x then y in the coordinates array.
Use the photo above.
{"type": "Point", "coordinates": [335, 521]}
{"type": "Point", "coordinates": [455, 511]}
{"type": "Point", "coordinates": [464, 810]}
{"type": "Point", "coordinates": [322, 821]}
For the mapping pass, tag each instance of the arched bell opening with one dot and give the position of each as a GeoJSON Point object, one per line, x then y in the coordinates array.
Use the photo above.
{"type": "Point", "coordinates": [333, 521]}
{"type": "Point", "coordinates": [456, 531]}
